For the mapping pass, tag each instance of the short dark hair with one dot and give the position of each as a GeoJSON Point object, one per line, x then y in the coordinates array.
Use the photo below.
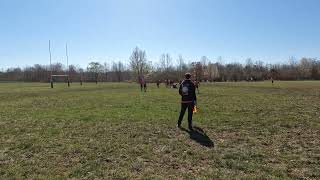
{"type": "Point", "coordinates": [187, 75]}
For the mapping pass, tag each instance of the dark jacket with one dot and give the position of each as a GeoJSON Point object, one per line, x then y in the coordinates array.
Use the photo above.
{"type": "Point", "coordinates": [187, 91]}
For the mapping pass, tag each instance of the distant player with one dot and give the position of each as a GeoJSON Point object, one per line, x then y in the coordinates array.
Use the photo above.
{"type": "Point", "coordinates": [188, 100]}
{"type": "Point", "coordinates": [142, 84]}
{"type": "Point", "coordinates": [272, 81]}
{"type": "Point", "coordinates": [171, 84]}
{"type": "Point", "coordinates": [197, 83]}
{"type": "Point", "coordinates": [145, 86]}
{"type": "Point", "coordinates": [158, 83]}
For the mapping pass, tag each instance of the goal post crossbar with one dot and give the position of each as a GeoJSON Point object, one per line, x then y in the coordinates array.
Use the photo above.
{"type": "Point", "coordinates": [59, 75]}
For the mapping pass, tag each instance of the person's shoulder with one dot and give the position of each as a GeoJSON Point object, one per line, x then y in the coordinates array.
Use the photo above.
{"type": "Point", "coordinates": [188, 81]}
{"type": "Point", "coordinates": [193, 83]}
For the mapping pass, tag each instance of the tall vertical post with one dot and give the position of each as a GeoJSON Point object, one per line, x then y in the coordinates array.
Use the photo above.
{"type": "Point", "coordinates": [51, 81]}
{"type": "Point", "coordinates": [68, 68]}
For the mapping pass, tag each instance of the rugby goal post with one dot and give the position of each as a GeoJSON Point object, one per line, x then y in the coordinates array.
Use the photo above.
{"type": "Point", "coordinates": [59, 75]}
{"type": "Point", "coordinates": [66, 76]}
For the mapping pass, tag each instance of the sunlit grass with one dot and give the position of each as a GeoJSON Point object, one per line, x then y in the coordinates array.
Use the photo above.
{"type": "Point", "coordinates": [114, 130]}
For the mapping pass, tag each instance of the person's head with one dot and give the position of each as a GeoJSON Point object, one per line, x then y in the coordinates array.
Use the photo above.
{"type": "Point", "coordinates": [187, 75]}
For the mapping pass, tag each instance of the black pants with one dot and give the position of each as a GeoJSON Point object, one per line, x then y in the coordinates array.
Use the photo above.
{"type": "Point", "coordinates": [145, 87]}
{"type": "Point", "coordinates": [184, 107]}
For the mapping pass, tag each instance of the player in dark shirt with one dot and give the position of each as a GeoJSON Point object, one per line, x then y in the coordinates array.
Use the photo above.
{"type": "Point", "coordinates": [143, 84]}
{"type": "Point", "coordinates": [188, 99]}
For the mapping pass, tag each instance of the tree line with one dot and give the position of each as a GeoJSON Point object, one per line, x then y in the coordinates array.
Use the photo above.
{"type": "Point", "coordinates": [166, 68]}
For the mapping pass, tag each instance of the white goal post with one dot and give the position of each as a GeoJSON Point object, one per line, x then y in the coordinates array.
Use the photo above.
{"type": "Point", "coordinates": [59, 75]}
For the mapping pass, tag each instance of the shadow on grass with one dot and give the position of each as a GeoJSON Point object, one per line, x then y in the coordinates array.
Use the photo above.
{"type": "Point", "coordinates": [199, 136]}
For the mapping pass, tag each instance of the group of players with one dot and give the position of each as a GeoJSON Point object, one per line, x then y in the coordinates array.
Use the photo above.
{"type": "Point", "coordinates": [168, 83]}
{"type": "Point", "coordinates": [187, 90]}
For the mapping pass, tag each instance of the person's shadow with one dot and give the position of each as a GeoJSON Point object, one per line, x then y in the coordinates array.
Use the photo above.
{"type": "Point", "coordinates": [198, 135]}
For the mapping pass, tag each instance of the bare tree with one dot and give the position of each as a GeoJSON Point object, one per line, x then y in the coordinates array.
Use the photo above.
{"type": "Point", "coordinates": [213, 72]}
{"type": "Point", "coordinates": [204, 62]}
{"type": "Point", "coordinates": [72, 72]}
{"type": "Point", "coordinates": [197, 70]}
{"type": "Point", "coordinates": [305, 68]}
{"type": "Point", "coordinates": [181, 66]}
{"type": "Point", "coordinates": [106, 70]}
{"type": "Point", "coordinates": [118, 68]}
{"type": "Point", "coordinates": [166, 64]}
{"type": "Point", "coordinates": [95, 68]}
{"type": "Point", "coordinates": [138, 62]}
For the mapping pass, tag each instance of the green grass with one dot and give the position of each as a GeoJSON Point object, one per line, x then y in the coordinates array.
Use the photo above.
{"type": "Point", "coordinates": [115, 131]}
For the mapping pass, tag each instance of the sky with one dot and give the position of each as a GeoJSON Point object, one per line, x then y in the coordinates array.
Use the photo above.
{"type": "Point", "coordinates": [108, 30]}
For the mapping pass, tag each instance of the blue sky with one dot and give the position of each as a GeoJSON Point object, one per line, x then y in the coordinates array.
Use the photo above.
{"type": "Point", "coordinates": [107, 30]}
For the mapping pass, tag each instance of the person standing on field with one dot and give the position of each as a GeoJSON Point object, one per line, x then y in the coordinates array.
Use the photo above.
{"type": "Point", "coordinates": [142, 84]}
{"type": "Point", "coordinates": [187, 91]}
{"type": "Point", "coordinates": [197, 83]}
{"type": "Point", "coordinates": [145, 86]}
{"type": "Point", "coordinates": [167, 83]}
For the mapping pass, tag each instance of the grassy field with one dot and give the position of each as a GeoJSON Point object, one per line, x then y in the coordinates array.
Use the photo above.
{"type": "Point", "coordinates": [244, 130]}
